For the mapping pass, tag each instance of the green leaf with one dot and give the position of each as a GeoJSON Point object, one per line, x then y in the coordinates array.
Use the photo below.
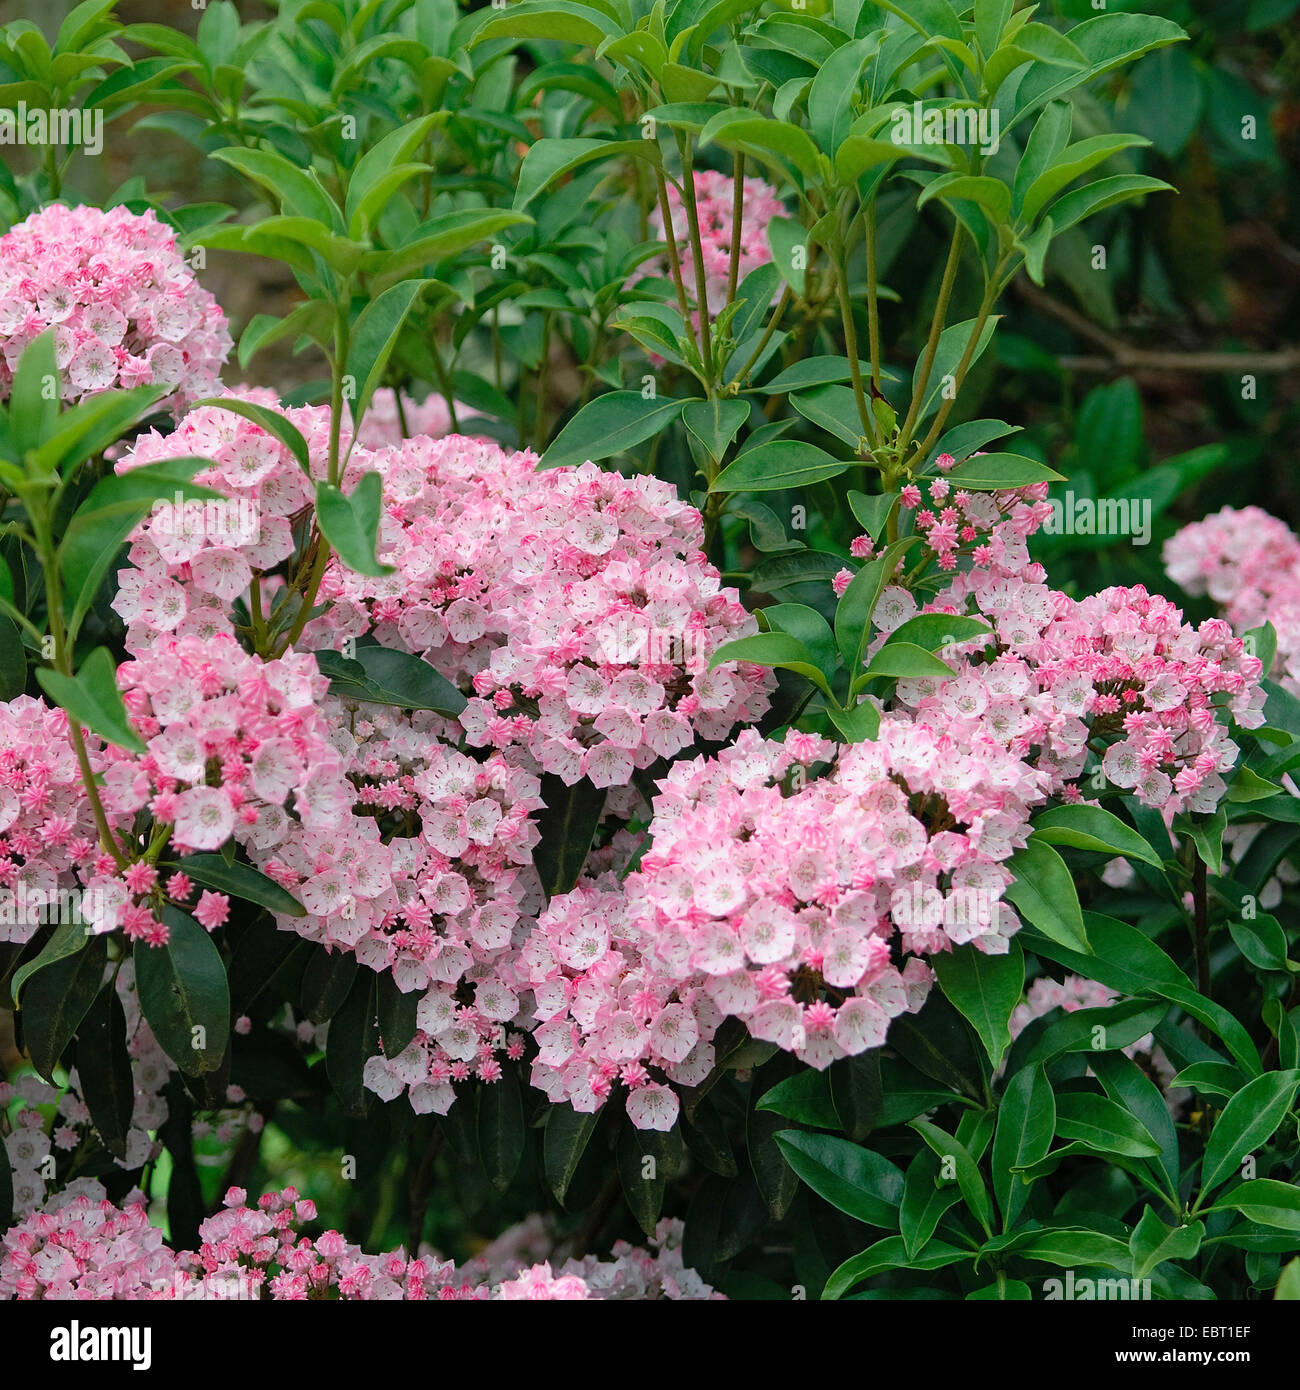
{"type": "Point", "coordinates": [1026, 1124]}
{"type": "Point", "coordinates": [778, 1184]}
{"type": "Point", "coordinates": [925, 1200]}
{"type": "Point", "coordinates": [871, 513]}
{"type": "Point", "coordinates": [1210, 1078]}
{"type": "Point", "coordinates": [773, 142]}
{"type": "Point", "coordinates": [784, 237]}
{"type": "Point", "coordinates": [1247, 1123]}
{"type": "Point", "coordinates": [326, 982]}
{"type": "Point", "coordinates": [1102, 1125]}
{"type": "Point", "coordinates": [298, 190]}
{"type": "Point", "coordinates": [962, 440]}
{"type": "Point", "coordinates": [1068, 1246]}
{"type": "Point", "coordinates": [783, 463]}
{"type": "Point", "coordinates": [270, 420]}
{"type": "Point", "coordinates": [1106, 41]}
{"type": "Point", "coordinates": [34, 395]}
{"type": "Point", "coordinates": [834, 409]}
{"type": "Point", "coordinates": [375, 335]}
{"type": "Point", "coordinates": [611, 424]}
{"type": "Point", "coordinates": [990, 194]}
{"type": "Point", "coordinates": [549, 160]}
{"type": "Point", "coordinates": [1105, 193]}
{"type": "Point", "coordinates": [857, 724]}
{"type": "Point", "coordinates": [930, 631]}
{"type": "Point", "coordinates": [561, 20]}
{"type": "Point", "coordinates": [104, 1070]}
{"type": "Point", "coordinates": [808, 625]}
{"type": "Point", "coordinates": [353, 1039]}
{"type": "Point", "coordinates": [385, 676]}
{"type": "Point", "coordinates": [93, 424]}
{"type": "Point", "coordinates": [57, 998]}
{"type": "Point", "coordinates": [67, 939]}
{"type": "Point", "coordinates": [13, 661]}
{"type": "Point", "coordinates": [394, 149]}
{"type": "Point", "coordinates": [647, 1162]}
{"type": "Point", "coordinates": [240, 880]}
{"type": "Point", "coordinates": [997, 472]}
{"type": "Point", "coordinates": [568, 826]}
{"type": "Point", "coordinates": [396, 1014]}
{"type": "Point", "coordinates": [952, 345]}
{"type": "Point", "coordinates": [891, 1253]}
{"type": "Point", "coordinates": [184, 995]}
{"type": "Point", "coordinates": [858, 602]}
{"type": "Point", "coordinates": [773, 649]}
{"type": "Point", "coordinates": [1092, 828]}
{"type": "Point", "coordinates": [564, 1142]}
{"type": "Point", "coordinates": [986, 989]}
{"type": "Point", "coordinates": [1265, 1200]}
{"type": "Point", "coordinates": [93, 699]}
{"type": "Point", "coordinates": [990, 20]}
{"type": "Point", "coordinates": [858, 1181]}
{"type": "Point", "coordinates": [1247, 786]}
{"type": "Point", "coordinates": [973, 1191]}
{"type": "Point", "coordinates": [1120, 1025]}
{"type": "Point", "coordinates": [857, 1091]}
{"type": "Point", "coordinates": [1044, 893]}
{"type": "Point", "coordinates": [1071, 164]}
{"type": "Point", "coordinates": [311, 318]}
{"type": "Point", "coordinates": [805, 1098]}
{"type": "Point", "coordinates": [1262, 941]}
{"type": "Point", "coordinates": [1153, 1242]}
{"type": "Point", "coordinates": [350, 523]}
{"type": "Point", "coordinates": [715, 423]}
{"type": "Point", "coordinates": [904, 660]}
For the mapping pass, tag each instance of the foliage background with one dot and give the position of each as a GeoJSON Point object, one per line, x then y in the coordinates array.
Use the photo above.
{"type": "Point", "coordinates": [1111, 372]}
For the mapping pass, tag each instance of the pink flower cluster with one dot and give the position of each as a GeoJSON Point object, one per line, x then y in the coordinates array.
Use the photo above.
{"type": "Point", "coordinates": [82, 1246]}
{"type": "Point", "coordinates": [574, 603]}
{"type": "Point", "coordinates": [1117, 674]}
{"type": "Point", "coordinates": [714, 198]}
{"type": "Point", "coordinates": [125, 307]}
{"type": "Point", "coordinates": [800, 907]}
{"type": "Point", "coordinates": [191, 560]}
{"type": "Point", "coordinates": [430, 877]}
{"type": "Point", "coordinates": [1248, 562]}
{"type": "Point", "coordinates": [229, 737]}
{"type": "Point", "coordinates": [47, 831]}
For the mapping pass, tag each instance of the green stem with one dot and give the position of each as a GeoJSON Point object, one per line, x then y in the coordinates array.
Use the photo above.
{"type": "Point", "coordinates": [737, 216]}
{"type": "Point", "coordinates": [932, 342]}
{"type": "Point", "coordinates": [959, 376]}
{"type": "Point", "coordinates": [674, 260]}
{"type": "Point", "coordinates": [697, 256]}
{"type": "Point", "coordinates": [539, 412]}
{"type": "Point", "coordinates": [873, 305]}
{"type": "Point", "coordinates": [63, 664]}
{"type": "Point", "coordinates": [851, 348]}
{"type": "Point", "coordinates": [743, 374]}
